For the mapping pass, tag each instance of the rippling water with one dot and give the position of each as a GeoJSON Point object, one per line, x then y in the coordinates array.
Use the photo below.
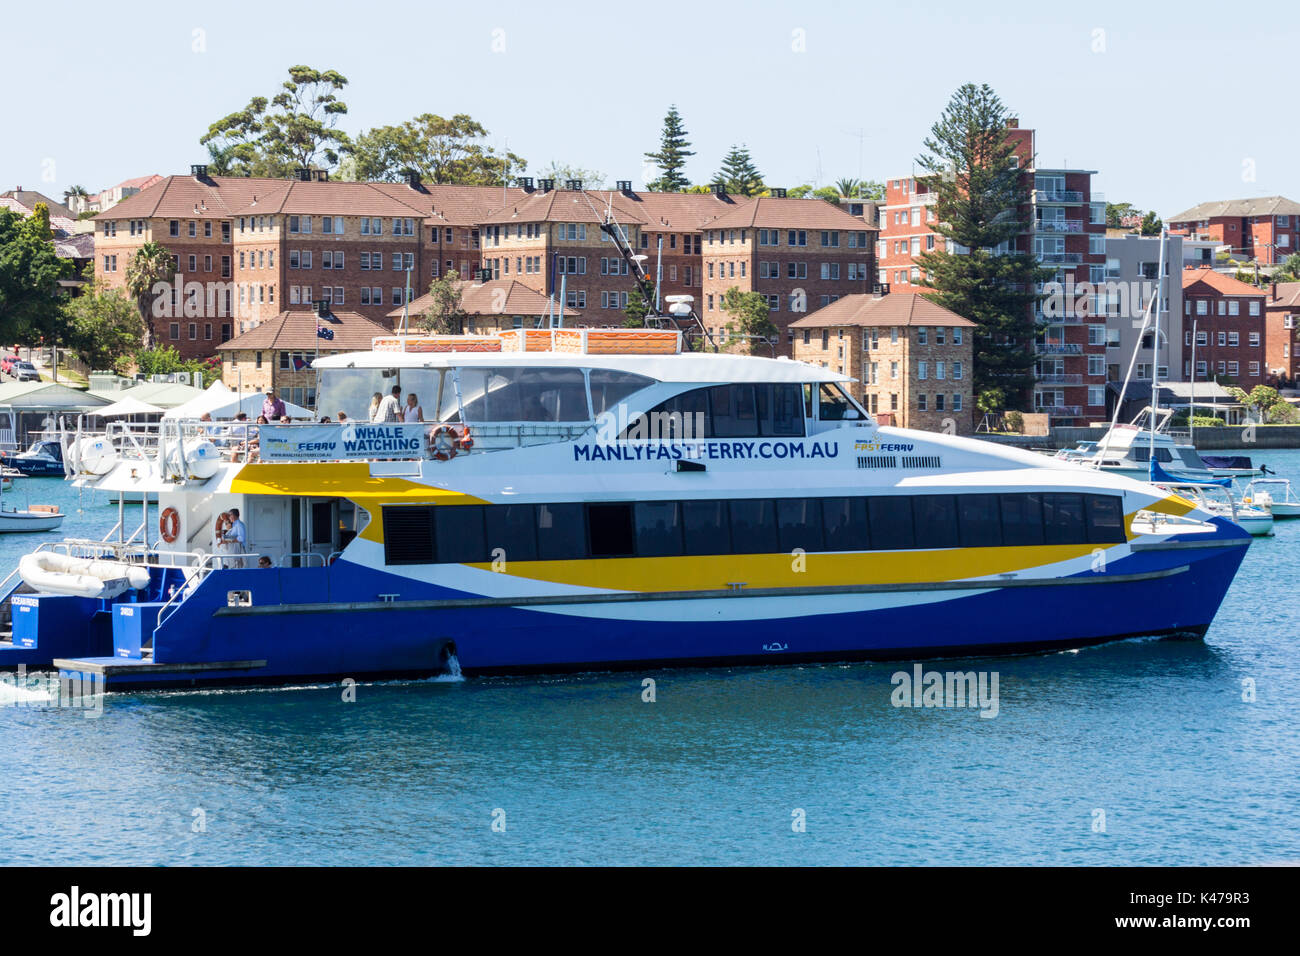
{"type": "Point", "coordinates": [581, 770]}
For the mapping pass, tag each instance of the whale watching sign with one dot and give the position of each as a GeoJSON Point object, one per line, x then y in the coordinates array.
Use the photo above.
{"type": "Point", "coordinates": [346, 442]}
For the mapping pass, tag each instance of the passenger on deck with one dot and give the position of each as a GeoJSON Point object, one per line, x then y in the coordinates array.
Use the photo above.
{"type": "Point", "coordinates": [236, 537]}
{"type": "Point", "coordinates": [376, 400]}
{"type": "Point", "coordinates": [342, 417]}
{"type": "Point", "coordinates": [264, 562]}
{"type": "Point", "coordinates": [272, 406]}
{"type": "Point", "coordinates": [390, 409]}
{"type": "Point", "coordinates": [286, 420]}
{"type": "Point", "coordinates": [413, 412]}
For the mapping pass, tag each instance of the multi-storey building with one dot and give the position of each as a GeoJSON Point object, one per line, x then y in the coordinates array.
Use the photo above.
{"type": "Point", "coordinates": [801, 254]}
{"type": "Point", "coordinates": [1223, 328]}
{"type": "Point", "coordinates": [1266, 229]}
{"type": "Point", "coordinates": [1067, 233]}
{"type": "Point", "coordinates": [911, 357]}
{"type": "Point", "coordinates": [1281, 323]}
{"type": "Point", "coordinates": [1132, 263]}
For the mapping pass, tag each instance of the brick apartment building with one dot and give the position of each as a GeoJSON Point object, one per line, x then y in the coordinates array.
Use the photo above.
{"type": "Point", "coordinates": [1281, 321]}
{"type": "Point", "coordinates": [911, 358]}
{"type": "Point", "coordinates": [1067, 233]}
{"type": "Point", "coordinates": [1223, 319]}
{"type": "Point", "coordinates": [801, 254]}
{"type": "Point", "coordinates": [1266, 229]}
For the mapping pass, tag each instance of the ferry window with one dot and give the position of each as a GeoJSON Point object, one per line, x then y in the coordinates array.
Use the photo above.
{"type": "Point", "coordinates": [1105, 519]}
{"type": "Point", "coordinates": [683, 416]}
{"type": "Point", "coordinates": [753, 527]}
{"type": "Point", "coordinates": [460, 537]}
{"type": "Point", "coordinates": [936, 521]}
{"type": "Point", "coordinates": [513, 529]}
{"type": "Point", "coordinates": [845, 523]}
{"type": "Point", "coordinates": [832, 404]}
{"type": "Point", "coordinates": [733, 412]}
{"type": "Point", "coordinates": [890, 518]}
{"type": "Point", "coordinates": [979, 521]}
{"type": "Point", "coordinates": [408, 535]}
{"type": "Point", "coordinates": [610, 527]}
{"type": "Point", "coordinates": [561, 535]}
{"type": "Point", "coordinates": [779, 410]}
{"type": "Point", "coordinates": [523, 395]}
{"type": "Point", "coordinates": [609, 387]}
{"type": "Point", "coordinates": [1063, 519]}
{"type": "Point", "coordinates": [799, 524]}
{"type": "Point", "coordinates": [658, 529]}
{"type": "Point", "coordinates": [1022, 519]}
{"type": "Point", "coordinates": [704, 528]}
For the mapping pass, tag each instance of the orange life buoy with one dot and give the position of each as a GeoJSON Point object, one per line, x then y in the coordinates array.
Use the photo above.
{"type": "Point", "coordinates": [169, 524]}
{"type": "Point", "coordinates": [443, 443]}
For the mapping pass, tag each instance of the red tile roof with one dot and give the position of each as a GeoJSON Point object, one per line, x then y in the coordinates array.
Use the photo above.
{"type": "Point", "coordinates": [682, 212]}
{"type": "Point", "coordinates": [899, 308]}
{"type": "Point", "coordinates": [296, 329]}
{"type": "Point", "coordinates": [495, 297]}
{"type": "Point", "coordinates": [789, 214]}
{"type": "Point", "coordinates": [1217, 283]}
{"type": "Point", "coordinates": [1288, 296]}
{"type": "Point", "coordinates": [564, 205]}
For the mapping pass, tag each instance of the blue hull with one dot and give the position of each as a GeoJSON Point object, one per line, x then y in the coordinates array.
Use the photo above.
{"type": "Point", "coordinates": [324, 624]}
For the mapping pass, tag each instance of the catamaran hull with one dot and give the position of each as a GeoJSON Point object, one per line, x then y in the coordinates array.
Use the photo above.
{"type": "Point", "coordinates": [304, 638]}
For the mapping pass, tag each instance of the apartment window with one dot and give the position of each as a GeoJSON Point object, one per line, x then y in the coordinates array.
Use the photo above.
{"type": "Point", "coordinates": [1234, 339]}
{"type": "Point", "coordinates": [1233, 369]}
{"type": "Point", "coordinates": [830, 239]}
{"type": "Point", "coordinates": [1253, 369]}
{"type": "Point", "coordinates": [921, 402]}
{"type": "Point", "coordinates": [922, 335]}
{"type": "Point", "coordinates": [1254, 340]}
{"type": "Point", "coordinates": [1202, 307]}
{"type": "Point", "coordinates": [1223, 339]}
{"type": "Point", "coordinates": [1234, 307]}
{"type": "Point", "coordinates": [207, 263]}
{"type": "Point", "coordinates": [922, 370]}
{"type": "Point", "coordinates": [194, 263]}
{"type": "Point", "coordinates": [225, 267]}
{"type": "Point", "coordinates": [1096, 395]}
{"type": "Point", "coordinates": [956, 371]}
{"type": "Point", "coordinates": [1096, 365]}
{"type": "Point", "coordinates": [1254, 308]}
{"type": "Point", "coordinates": [174, 331]}
{"type": "Point", "coordinates": [397, 295]}
{"type": "Point", "coordinates": [173, 228]}
{"type": "Point", "coordinates": [194, 331]}
{"type": "Point", "coordinates": [796, 237]}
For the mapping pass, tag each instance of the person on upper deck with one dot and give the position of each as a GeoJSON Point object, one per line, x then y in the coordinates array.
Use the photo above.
{"type": "Point", "coordinates": [272, 406]}
{"type": "Point", "coordinates": [376, 400]}
{"type": "Point", "coordinates": [413, 412]}
{"type": "Point", "coordinates": [390, 409]}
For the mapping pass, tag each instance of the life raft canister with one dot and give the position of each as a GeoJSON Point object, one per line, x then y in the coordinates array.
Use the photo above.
{"type": "Point", "coordinates": [169, 524]}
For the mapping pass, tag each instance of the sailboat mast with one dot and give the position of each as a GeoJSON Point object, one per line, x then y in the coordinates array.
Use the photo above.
{"type": "Point", "coordinates": [1155, 344]}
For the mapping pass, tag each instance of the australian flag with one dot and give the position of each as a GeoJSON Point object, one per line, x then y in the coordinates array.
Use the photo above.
{"type": "Point", "coordinates": [324, 332]}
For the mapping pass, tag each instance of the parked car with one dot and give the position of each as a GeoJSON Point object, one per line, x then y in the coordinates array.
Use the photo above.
{"type": "Point", "coordinates": [7, 364]}
{"type": "Point", "coordinates": [25, 372]}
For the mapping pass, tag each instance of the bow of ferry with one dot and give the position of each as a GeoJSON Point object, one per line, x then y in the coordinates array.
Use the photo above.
{"type": "Point", "coordinates": [582, 503]}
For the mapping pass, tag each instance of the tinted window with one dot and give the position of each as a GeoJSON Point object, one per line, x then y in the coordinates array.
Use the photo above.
{"type": "Point", "coordinates": [408, 535]}
{"type": "Point", "coordinates": [891, 522]}
{"type": "Point", "coordinates": [1105, 519]}
{"type": "Point", "coordinates": [753, 527]}
{"type": "Point", "coordinates": [1022, 519]}
{"type": "Point", "coordinates": [979, 521]}
{"type": "Point", "coordinates": [459, 534]}
{"type": "Point", "coordinates": [1063, 519]}
{"type": "Point", "coordinates": [733, 411]}
{"type": "Point", "coordinates": [608, 387]}
{"type": "Point", "coordinates": [799, 524]}
{"type": "Point", "coordinates": [561, 535]}
{"type": "Point", "coordinates": [704, 527]}
{"type": "Point", "coordinates": [845, 524]}
{"type": "Point", "coordinates": [610, 528]}
{"type": "Point", "coordinates": [513, 529]}
{"type": "Point", "coordinates": [936, 521]}
{"type": "Point", "coordinates": [658, 528]}
{"type": "Point", "coordinates": [682, 416]}
{"type": "Point", "coordinates": [780, 409]}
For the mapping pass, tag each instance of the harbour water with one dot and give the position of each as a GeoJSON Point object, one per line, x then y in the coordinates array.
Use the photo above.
{"type": "Point", "coordinates": [1142, 752]}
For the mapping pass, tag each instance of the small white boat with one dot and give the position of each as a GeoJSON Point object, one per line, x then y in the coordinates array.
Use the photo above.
{"type": "Point", "coordinates": [1273, 495]}
{"type": "Point", "coordinates": [1218, 500]}
{"type": "Point", "coordinates": [31, 518]}
{"type": "Point", "coordinates": [52, 572]}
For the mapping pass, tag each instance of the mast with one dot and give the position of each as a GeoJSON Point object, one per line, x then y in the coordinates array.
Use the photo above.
{"type": "Point", "coordinates": [1155, 345]}
{"type": "Point", "coordinates": [1191, 414]}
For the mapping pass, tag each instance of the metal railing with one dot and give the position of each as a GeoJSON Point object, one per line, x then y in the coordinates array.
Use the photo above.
{"type": "Point", "coordinates": [1058, 348]}
{"type": "Point", "coordinates": [1059, 225]}
{"type": "Point", "coordinates": [1068, 258]}
{"type": "Point", "coordinates": [1058, 195]}
{"type": "Point", "coordinates": [1058, 379]}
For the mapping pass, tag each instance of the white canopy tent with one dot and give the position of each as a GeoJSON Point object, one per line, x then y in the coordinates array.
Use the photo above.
{"type": "Point", "coordinates": [127, 406]}
{"type": "Point", "coordinates": [220, 402]}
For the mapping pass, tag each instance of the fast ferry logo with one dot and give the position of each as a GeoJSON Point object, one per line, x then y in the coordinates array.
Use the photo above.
{"type": "Point", "coordinates": [876, 445]}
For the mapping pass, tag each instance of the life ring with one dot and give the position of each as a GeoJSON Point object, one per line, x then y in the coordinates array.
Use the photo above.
{"type": "Point", "coordinates": [169, 524]}
{"type": "Point", "coordinates": [443, 443]}
{"type": "Point", "coordinates": [466, 441]}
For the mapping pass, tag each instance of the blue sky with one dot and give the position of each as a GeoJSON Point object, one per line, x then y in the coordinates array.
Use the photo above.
{"type": "Point", "coordinates": [1168, 102]}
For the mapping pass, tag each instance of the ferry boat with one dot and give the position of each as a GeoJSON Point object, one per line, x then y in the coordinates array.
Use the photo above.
{"type": "Point", "coordinates": [589, 499]}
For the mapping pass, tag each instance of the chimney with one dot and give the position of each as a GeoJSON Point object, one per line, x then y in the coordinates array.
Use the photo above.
{"type": "Point", "coordinates": [199, 171]}
{"type": "Point", "coordinates": [412, 178]}
{"type": "Point", "coordinates": [546, 185]}
{"type": "Point", "coordinates": [574, 185]}
{"type": "Point", "coordinates": [484, 275]}
{"type": "Point", "coordinates": [880, 290]}
{"type": "Point", "coordinates": [1272, 290]}
{"type": "Point", "coordinates": [526, 183]}
{"type": "Point", "coordinates": [320, 175]}
{"type": "Point", "coordinates": [778, 192]}
{"type": "Point", "coordinates": [302, 174]}
{"type": "Point", "coordinates": [625, 187]}
{"type": "Point", "coordinates": [720, 190]}
{"type": "Point", "coordinates": [321, 307]}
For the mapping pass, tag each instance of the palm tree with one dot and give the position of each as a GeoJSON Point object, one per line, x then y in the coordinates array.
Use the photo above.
{"type": "Point", "coordinates": [151, 264]}
{"type": "Point", "coordinates": [848, 187]}
{"type": "Point", "coordinates": [220, 160]}
{"type": "Point", "coordinates": [1289, 270]}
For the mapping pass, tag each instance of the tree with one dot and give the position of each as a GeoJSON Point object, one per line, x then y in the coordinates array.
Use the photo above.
{"type": "Point", "coordinates": [739, 174]}
{"type": "Point", "coordinates": [637, 309]}
{"type": "Point", "coordinates": [444, 316]}
{"type": "Point", "coordinates": [1289, 270]}
{"type": "Point", "coordinates": [749, 312]}
{"type": "Point", "coordinates": [1117, 212]}
{"type": "Point", "coordinates": [1151, 225]}
{"type": "Point", "coordinates": [296, 128]}
{"type": "Point", "coordinates": [982, 203]}
{"type": "Point", "coordinates": [30, 295]}
{"type": "Point", "coordinates": [104, 326]}
{"type": "Point", "coordinates": [1260, 400]}
{"type": "Point", "coordinates": [151, 266]}
{"type": "Point", "coordinates": [440, 150]}
{"type": "Point", "coordinates": [162, 360]}
{"type": "Point", "coordinates": [671, 156]}
{"type": "Point", "coordinates": [562, 173]}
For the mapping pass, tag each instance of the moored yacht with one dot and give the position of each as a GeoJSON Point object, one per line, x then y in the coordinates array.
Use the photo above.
{"type": "Point", "coordinates": [595, 499]}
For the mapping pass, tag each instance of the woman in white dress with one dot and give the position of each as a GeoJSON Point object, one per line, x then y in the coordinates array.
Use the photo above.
{"type": "Point", "coordinates": [220, 546]}
{"type": "Point", "coordinates": [412, 412]}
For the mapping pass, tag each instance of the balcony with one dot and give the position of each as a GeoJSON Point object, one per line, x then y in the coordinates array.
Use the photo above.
{"type": "Point", "coordinates": [1061, 411]}
{"type": "Point", "coordinates": [1058, 348]}
{"type": "Point", "coordinates": [924, 199]}
{"type": "Point", "coordinates": [1061, 258]}
{"type": "Point", "coordinates": [1058, 195]}
{"type": "Point", "coordinates": [1059, 225]}
{"type": "Point", "coordinates": [1058, 379]}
